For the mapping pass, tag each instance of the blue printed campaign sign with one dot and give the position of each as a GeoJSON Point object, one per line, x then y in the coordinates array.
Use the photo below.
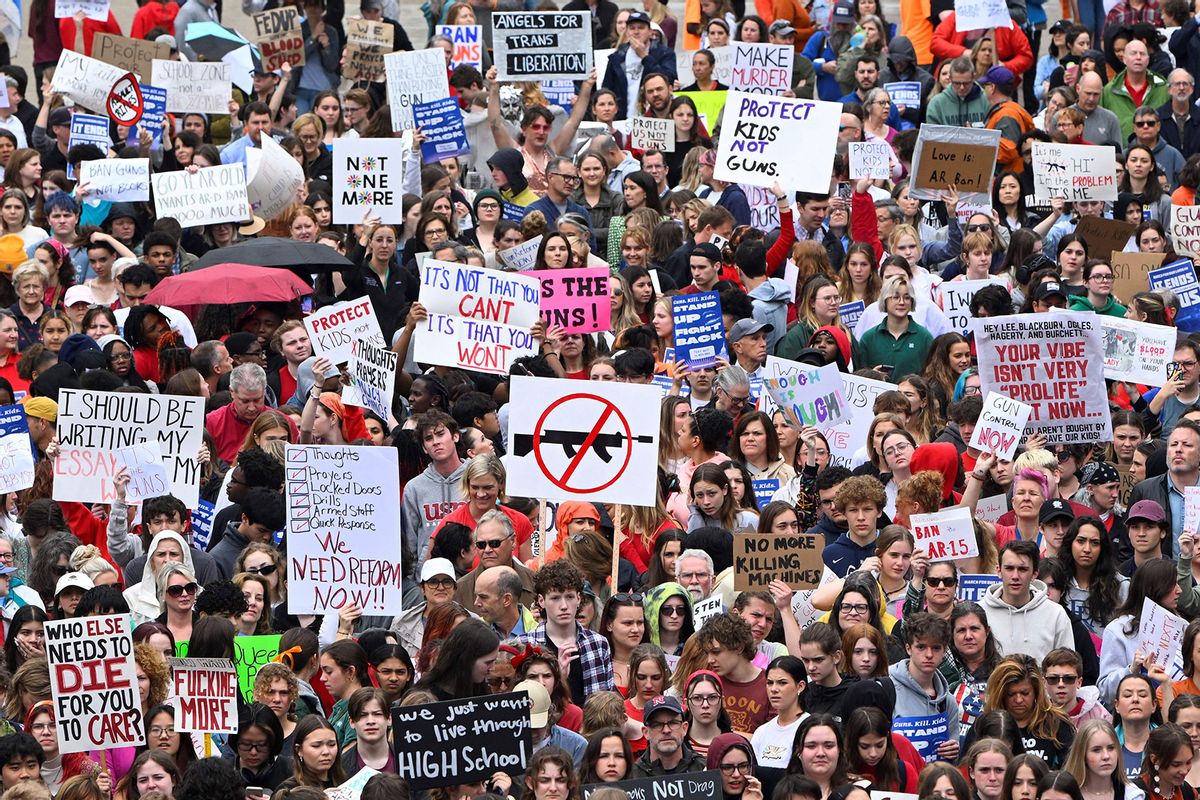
{"type": "Point", "coordinates": [154, 114]}
{"type": "Point", "coordinates": [202, 520]}
{"type": "Point", "coordinates": [764, 490]}
{"type": "Point", "coordinates": [513, 212]}
{"type": "Point", "coordinates": [904, 93]}
{"type": "Point", "coordinates": [442, 123]}
{"type": "Point", "coordinates": [850, 312]}
{"type": "Point", "coordinates": [1180, 277]}
{"type": "Point", "coordinates": [89, 129]}
{"type": "Point", "coordinates": [971, 588]}
{"type": "Point", "coordinates": [16, 449]}
{"type": "Point", "coordinates": [699, 328]}
{"type": "Point", "coordinates": [925, 732]}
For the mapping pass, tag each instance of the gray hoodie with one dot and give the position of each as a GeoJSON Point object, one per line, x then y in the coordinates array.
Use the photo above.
{"type": "Point", "coordinates": [428, 498]}
{"type": "Point", "coordinates": [770, 299]}
{"type": "Point", "coordinates": [1034, 629]}
{"type": "Point", "coordinates": [912, 701]}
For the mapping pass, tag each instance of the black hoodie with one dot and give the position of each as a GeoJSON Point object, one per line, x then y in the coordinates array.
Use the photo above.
{"type": "Point", "coordinates": [902, 66]}
{"type": "Point", "coordinates": [510, 161]}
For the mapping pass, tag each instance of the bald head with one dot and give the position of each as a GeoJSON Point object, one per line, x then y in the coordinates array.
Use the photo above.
{"type": "Point", "coordinates": [1090, 87]}
{"type": "Point", "coordinates": [497, 594]}
{"type": "Point", "coordinates": [1137, 58]}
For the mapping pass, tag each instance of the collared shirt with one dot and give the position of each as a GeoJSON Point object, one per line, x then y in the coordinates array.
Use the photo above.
{"type": "Point", "coordinates": [1175, 498]}
{"type": "Point", "coordinates": [593, 669]}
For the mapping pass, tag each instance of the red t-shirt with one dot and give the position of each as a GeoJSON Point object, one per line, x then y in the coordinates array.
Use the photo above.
{"type": "Point", "coordinates": [746, 703]}
{"type": "Point", "coordinates": [287, 385]}
{"type": "Point", "coordinates": [462, 515]}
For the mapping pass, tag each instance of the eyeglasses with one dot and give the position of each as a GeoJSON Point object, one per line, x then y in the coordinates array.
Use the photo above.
{"type": "Point", "coordinates": [441, 583]}
{"type": "Point", "coordinates": [1145, 123]}
{"type": "Point", "coordinates": [850, 127]}
{"type": "Point", "coordinates": [855, 608]}
{"type": "Point", "coordinates": [694, 576]}
{"type": "Point", "coordinates": [660, 726]}
{"type": "Point", "coordinates": [566, 177]}
{"type": "Point", "coordinates": [7, 556]}
{"type": "Point", "coordinates": [704, 699]}
{"type": "Point", "coordinates": [1103, 278]}
{"type": "Point", "coordinates": [491, 544]}
{"type": "Point", "coordinates": [962, 84]}
{"type": "Point", "coordinates": [187, 588]}
{"type": "Point", "coordinates": [1064, 456]}
{"type": "Point", "coordinates": [971, 391]}
{"type": "Point", "coordinates": [265, 569]}
{"type": "Point", "coordinates": [729, 769]}
{"type": "Point", "coordinates": [58, 570]}
{"type": "Point", "coordinates": [1055, 680]}
{"type": "Point", "coordinates": [935, 582]}
{"type": "Point", "coordinates": [673, 611]}
{"type": "Point", "coordinates": [257, 747]}
{"type": "Point", "coordinates": [121, 357]}
{"type": "Point", "coordinates": [487, 205]}
{"type": "Point", "coordinates": [897, 449]}
{"type": "Point", "coordinates": [159, 730]}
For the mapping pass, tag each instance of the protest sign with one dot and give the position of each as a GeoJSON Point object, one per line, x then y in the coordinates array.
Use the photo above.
{"type": "Point", "coordinates": [203, 86]}
{"type": "Point", "coordinates": [762, 148]}
{"type": "Point", "coordinates": [522, 257]}
{"type": "Point", "coordinates": [576, 300]}
{"type": "Point", "coordinates": [367, 179]}
{"type": "Point", "coordinates": [201, 522]}
{"type": "Point", "coordinates": [154, 115]}
{"type": "Point", "coordinates": [249, 654]}
{"type": "Point", "coordinates": [478, 318]}
{"type": "Point", "coordinates": [924, 732]}
{"type": "Point", "coordinates": [16, 450]}
{"type": "Point", "coordinates": [131, 55]}
{"type": "Point", "coordinates": [85, 80]}
{"type": "Point", "coordinates": [93, 682]}
{"type": "Point", "coordinates": [1185, 230]}
{"type": "Point", "coordinates": [445, 744]}
{"type": "Point", "coordinates": [945, 535]}
{"type": "Point", "coordinates": [88, 129]}
{"type": "Point", "coordinates": [147, 474]}
{"type": "Point", "coordinates": [1128, 481]}
{"type": "Point", "coordinates": [204, 694]}
{"type": "Point", "coordinates": [870, 160]}
{"type": "Point", "coordinates": [810, 396]}
{"type": "Point", "coordinates": [1055, 364]}
{"type": "Point", "coordinates": [1180, 277]}
{"type": "Point", "coordinates": [761, 68]}
{"type": "Point", "coordinates": [468, 44]}
{"type": "Point", "coordinates": [116, 179]}
{"type": "Point", "coordinates": [991, 509]}
{"type": "Point", "coordinates": [706, 609]}
{"type": "Point", "coordinates": [1105, 235]}
{"type": "Point", "coordinates": [974, 15]}
{"type": "Point", "coordinates": [205, 197]}
{"type": "Point", "coordinates": [710, 105]}
{"type": "Point", "coordinates": [699, 328]}
{"type": "Point", "coordinates": [904, 93]}
{"type": "Point", "coordinates": [1160, 635]}
{"type": "Point", "coordinates": [373, 373]}
{"type": "Point", "coordinates": [539, 45]}
{"type": "Point", "coordinates": [95, 10]}
{"type": "Point", "coordinates": [948, 156]}
{"type": "Point", "coordinates": [352, 787]}
{"type": "Point", "coordinates": [1191, 508]}
{"type": "Point", "coordinates": [1131, 272]}
{"type": "Point", "coordinates": [1137, 352]}
{"type": "Point", "coordinates": [764, 208]}
{"type": "Point", "coordinates": [124, 103]}
{"type": "Point", "coordinates": [442, 123]}
{"type": "Point", "coordinates": [692, 785]}
{"type": "Point", "coordinates": [972, 588]}
{"type": "Point", "coordinates": [1074, 172]}
{"type": "Point", "coordinates": [92, 425]}
{"type": "Point", "coordinates": [651, 133]}
{"type": "Point", "coordinates": [367, 43]}
{"type": "Point", "coordinates": [764, 490]}
{"type": "Point", "coordinates": [850, 313]}
{"type": "Point", "coordinates": [343, 536]}
{"type": "Point", "coordinates": [413, 77]}
{"type": "Point", "coordinates": [279, 37]}
{"type": "Point", "coordinates": [955, 299]}
{"type": "Point", "coordinates": [274, 179]}
{"type": "Point", "coordinates": [334, 329]}
{"type": "Point", "coordinates": [596, 443]}
{"type": "Point", "coordinates": [759, 558]}
{"type": "Point", "coordinates": [1001, 426]}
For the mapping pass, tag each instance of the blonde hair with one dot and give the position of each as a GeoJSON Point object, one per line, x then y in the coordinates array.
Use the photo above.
{"type": "Point", "coordinates": [29, 269]}
{"type": "Point", "coordinates": [87, 559]}
{"type": "Point", "coordinates": [893, 287]}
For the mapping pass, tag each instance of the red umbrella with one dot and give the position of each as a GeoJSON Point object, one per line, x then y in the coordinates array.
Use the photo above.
{"type": "Point", "coordinates": [228, 283]}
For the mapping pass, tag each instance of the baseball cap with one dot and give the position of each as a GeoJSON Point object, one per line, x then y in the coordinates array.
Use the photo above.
{"type": "Point", "coordinates": [1148, 510]}
{"type": "Point", "coordinates": [843, 12]}
{"type": "Point", "coordinates": [1056, 509]}
{"type": "Point", "coordinates": [79, 294]}
{"type": "Point", "coordinates": [366, 5]}
{"type": "Point", "coordinates": [59, 116]}
{"type": "Point", "coordinates": [76, 579]}
{"type": "Point", "coordinates": [707, 250]}
{"type": "Point", "coordinates": [40, 407]}
{"type": "Point", "coordinates": [748, 327]}
{"type": "Point", "coordinates": [539, 699]}
{"type": "Point", "coordinates": [436, 566]}
{"type": "Point", "coordinates": [1048, 288]}
{"type": "Point", "coordinates": [664, 702]}
{"type": "Point", "coordinates": [1061, 25]}
{"type": "Point", "coordinates": [999, 75]}
{"type": "Point", "coordinates": [781, 27]}
{"type": "Point", "coordinates": [811, 356]}
{"type": "Point", "coordinates": [638, 16]}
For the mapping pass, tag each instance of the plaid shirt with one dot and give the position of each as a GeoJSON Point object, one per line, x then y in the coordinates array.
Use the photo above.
{"type": "Point", "coordinates": [1125, 14]}
{"type": "Point", "coordinates": [595, 658]}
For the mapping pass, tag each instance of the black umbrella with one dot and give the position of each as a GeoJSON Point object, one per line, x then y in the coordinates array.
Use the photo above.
{"type": "Point", "coordinates": [270, 251]}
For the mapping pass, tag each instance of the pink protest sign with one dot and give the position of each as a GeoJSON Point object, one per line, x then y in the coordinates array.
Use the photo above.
{"type": "Point", "coordinates": [575, 299]}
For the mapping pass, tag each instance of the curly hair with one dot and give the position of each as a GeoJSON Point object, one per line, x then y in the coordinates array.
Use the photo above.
{"type": "Point", "coordinates": [150, 661]}
{"type": "Point", "coordinates": [221, 598]}
{"type": "Point", "coordinates": [268, 674]}
{"type": "Point", "coordinates": [731, 632]}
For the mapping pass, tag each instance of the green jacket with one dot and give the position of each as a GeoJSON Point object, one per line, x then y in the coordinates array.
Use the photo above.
{"type": "Point", "coordinates": [906, 354]}
{"type": "Point", "coordinates": [947, 108]}
{"type": "Point", "coordinates": [1116, 99]}
{"type": "Point", "coordinates": [654, 601]}
{"type": "Point", "coordinates": [1112, 308]}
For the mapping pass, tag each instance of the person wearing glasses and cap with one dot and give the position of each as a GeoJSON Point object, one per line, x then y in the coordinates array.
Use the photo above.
{"type": "Point", "coordinates": [666, 732]}
{"type": "Point", "coordinates": [562, 176]}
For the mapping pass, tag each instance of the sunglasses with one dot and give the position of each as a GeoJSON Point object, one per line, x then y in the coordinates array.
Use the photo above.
{"type": "Point", "coordinates": [673, 611]}
{"type": "Point", "coordinates": [265, 569]}
{"type": "Point", "coordinates": [947, 581]}
{"type": "Point", "coordinates": [180, 591]}
{"type": "Point", "coordinates": [978, 228]}
{"type": "Point", "coordinates": [490, 544]}
{"type": "Point", "coordinates": [1055, 680]}
{"type": "Point", "coordinates": [627, 597]}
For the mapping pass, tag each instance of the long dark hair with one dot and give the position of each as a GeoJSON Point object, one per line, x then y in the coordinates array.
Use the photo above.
{"type": "Point", "coordinates": [587, 768]}
{"type": "Point", "coordinates": [1104, 585]}
{"type": "Point", "coordinates": [646, 183]}
{"type": "Point", "coordinates": [865, 720]}
{"type": "Point", "coordinates": [991, 655]}
{"type": "Point", "coordinates": [841, 770]}
{"type": "Point", "coordinates": [451, 673]}
{"type": "Point", "coordinates": [303, 775]}
{"type": "Point", "coordinates": [1151, 581]}
{"type": "Point", "coordinates": [867, 587]}
{"type": "Point", "coordinates": [654, 574]}
{"type": "Point", "coordinates": [26, 613]}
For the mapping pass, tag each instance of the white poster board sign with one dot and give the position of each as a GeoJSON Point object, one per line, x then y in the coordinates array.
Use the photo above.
{"type": "Point", "coordinates": [368, 180]}
{"type": "Point", "coordinates": [117, 179]}
{"type": "Point", "coordinates": [275, 179]}
{"type": "Point", "coordinates": [945, 535]}
{"type": "Point", "coordinates": [334, 329]}
{"type": "Point", "coordinates": [205, 197]}
{"type": "Point", "coordinates": [414, 77]}
{"type": "Point", "coordinates": [203, 86]}
{"type": "Point", "coordinates": [761, 68]}
{"type": "Point", "coordinates": [147, 473]}
{"type": "Point", "coordinates": [1001, 425]}
{"type": "Point", "coordinates": [652, 133]}
{"type": "Point", "coordinates": [762, 148]}
{"type": "Point", "coordinates": [1185, 230]}
{"type": "Point", "coordinates": [85, 80]}
{"type": "Point", "coordinates": [542, 45]}
{"type": "Point", "coordinates": [1137, 352]}
{"type": "Point", "coordinates": [974, 15]}
{"type": "Point", "coordinates": [870, 160]}
{"type": "Point", "coordinates": [1160, 636]}
{"type": "Point", "coordinates": [1074, 172]}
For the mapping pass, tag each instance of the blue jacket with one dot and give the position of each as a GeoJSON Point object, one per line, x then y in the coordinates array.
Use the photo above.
{"type": "Point", "coordinates": [551, 212]}
{"type": "Point", "coordinates": [733, 200]}
{"type": "Point", "coordinates": [844, 554]}
{"type": "Point", "coordinates": [818, 48]}
{"type": "Point", "coordinates": [658, 59]}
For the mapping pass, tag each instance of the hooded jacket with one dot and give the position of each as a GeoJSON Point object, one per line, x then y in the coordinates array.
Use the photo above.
{"type": "Point", "coordinates": [722, 745]}
{"type": "Point", "coordinates": [510, 161]}
{"type": "Point", "coordinates": [947, 108]}
{"type": "Point", "coordinates": [143, 597]}
{"type": "Point", "coordinates": [1012, 120]}
{"type": "Point", "coordinates": [940, 457]}
{"type": "Point", "coordinates": [649, 767]}
{"type": "Point", "coordinates": [1111, 307]}
{"type": "Point", "coordinates": [427, 498]}
{"type": "Point", "coordinates": [902, 66]}
{"type": "Point", "coordinates": [657, 59]}
{"type": "Point", "coordinates": [1035, 629]}
{"type": "Point", "coordinates": [1087, 706]}
{"type": "Point", "coordinates": [912, 701]}
{"type": "Point", "coordinates": [829, 529]}
{"type": "Point", "coordinates": [845, 347]}
{"type": "Point", "coordinates": [1012, 45]}
{"type": "Point", "coordinates": [654, 601]}
{"type": "Point", "coordinates": [770, 302]}
{"type": "Point", "coordinates": [845, 554]}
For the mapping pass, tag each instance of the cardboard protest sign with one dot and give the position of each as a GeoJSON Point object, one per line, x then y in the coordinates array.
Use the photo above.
{"type": "Point", "coordinates": [592, 443]}
{"type": "Point", "coordinates": [759, 558]}
{"type": "Point", "coordinates": [761, 68]}
{"type": "Point", "coordinates": [1105, 235]}
{"type": "Point", "coordinates": [1160, 635]}
{"type": "Point", "coordinates": [1131, 272]}
{"type": "Point", "coordinates": [414, 77]}
{"type": "Point", "coordinates": [95, 10]}
{"type": "Point", "coordinates": [204, 693]}
{"type": "Point", "coordinates": [972, 588]}
{"type": "Point", "coordinates": [468, 44]}
{"type": "Point", "coordinates": [16, 450]}
{"type": "Point", "coordinates": [1055, 364]}
{"type": "Point", "coordinates": [539, 45]}
{"type": "Point", "coordinates": [88, 129]}
{"type": "Point", "coordinates": [699, 328]}
{"type": "Point", "coordinates": [1137, 352]}
{"type": "Point", "coordinates": [154, 115]}
{"type": "Point", "coordinates": [652, 133]}
{"type": "Point", "coordinates": [373, 373]}
{"type": "Point", "coordinates": [955, 299]}
{"type": "Point", "coordinates": [203, 86]}
{"type": "Point", "coordinates": [1074, 171]}
{"type": "Point", "coordinates": [945, 535]}
{"type": "Point", "coordinates": [132, 55]}
{"type": "Point", "coordinates": [85, 80]}
{"type": "Point", "coordinates": [575, 299]}
{"type": "Point", "coordinates": [367, 43]}
{"type": "Point", "coordinates": [522, 257]}
{"type": "Point", "coordinates": [478, 318]}
{"type": "Point", "coordinates": [870, 160]}
{"type": "Point", "coordinates": [946, 156]}
{"type": "Point", "coordinates": [692, 785]}
{"type": "Point", "coordinates": [904, 93]}
{"type": "Point", "coordinates": [274, 178]}
{"type": "Point", "coordinates": [444, 744]}
{"type": "Point", "coordinates": [147, 474]}
{"type": "Point", "coordinates": [810, 396]}
{"type": "Point", "coordinates": [974, 15]}
{"type": "Point", "coordinates": [1001, 425]}
{"type": "Point", "coordinates": [250, 653]}
{"type": "Point", "coordinates": [1180, 277]}
{"type": "Point", "coordinates": [93, 682]}
{"type": "Point", "coordinates": [367, 179]}
{"type": "Point", "coordinates": [334, 329]}
{"type": "Point", "coordinates": [1185, 230]}
{"type": "Point", "coordinates": [206, 197]}
{"type": "Point", "coordinates": [117, 179]}
{"type": "Point", "coordinates": [762, 147]}
{"type": "Point", "coordinates": [445, 134]}
{"type": "Point", "coordinates": [343, 538]}
{"type": "Point", "coordinates": [279, 37]}
{"type": "Point", "coordinates": [93, 425]}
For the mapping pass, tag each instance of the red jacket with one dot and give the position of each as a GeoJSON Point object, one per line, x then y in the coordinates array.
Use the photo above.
{"type": "Point", "coordinates": [66, 29]}
{"type": "Point", "coordinates": [88, 529]}
{"type": "Point", "coordinates": [154, 15]}
{"type": "Point", "coordinates": [1012, 46]}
